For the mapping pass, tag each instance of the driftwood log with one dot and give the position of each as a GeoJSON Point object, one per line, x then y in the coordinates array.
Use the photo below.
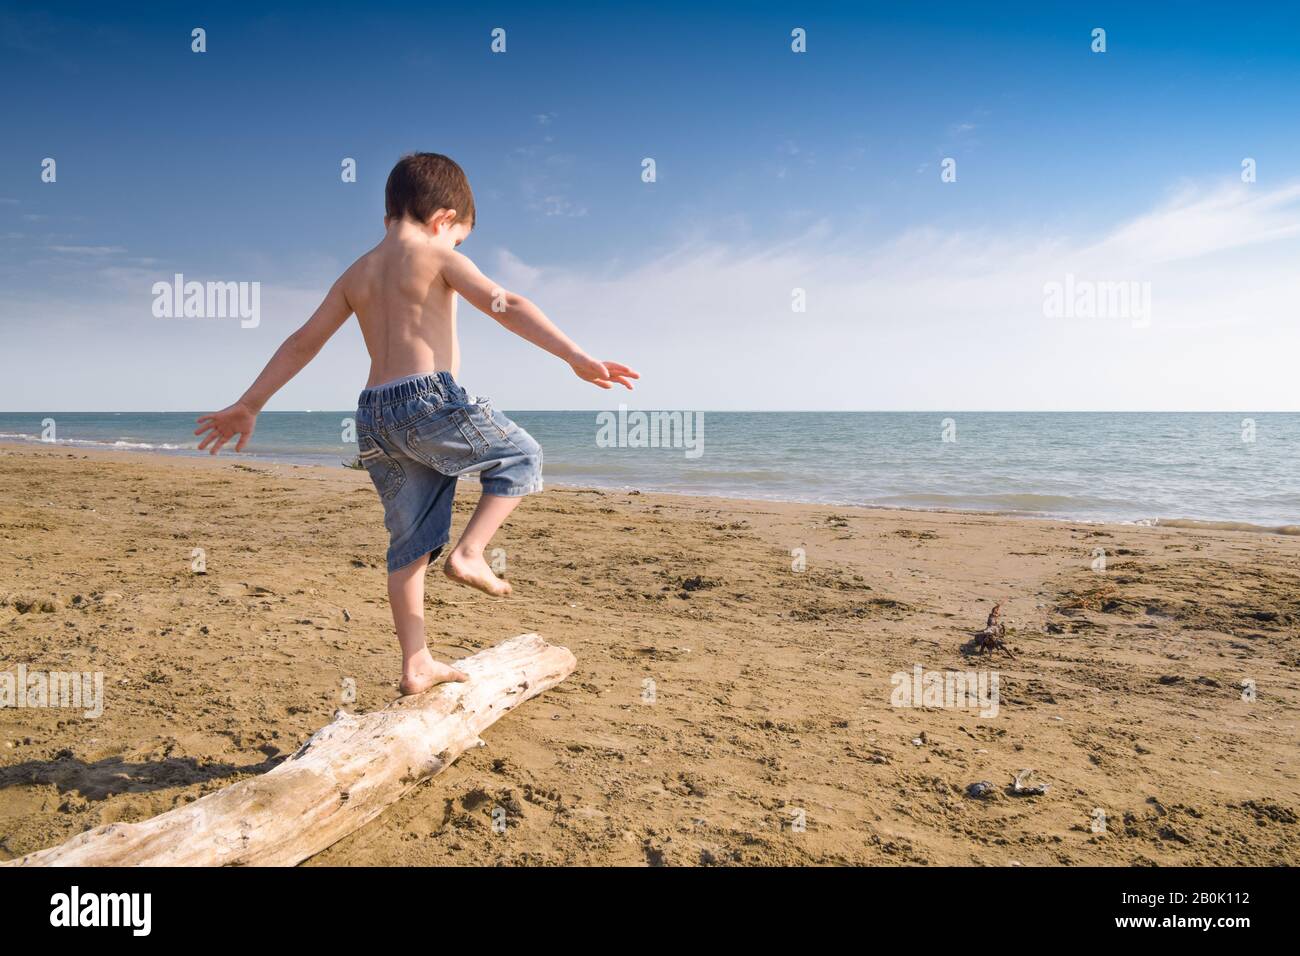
{"type": "Point", "coordinates": [344, 776]}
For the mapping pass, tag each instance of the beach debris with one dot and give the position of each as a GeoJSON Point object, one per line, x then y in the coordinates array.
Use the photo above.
{"type": "Point", "coordinates": [26, 604]}
{"type": "Point", "coordinates": [685, 586]}
{"type": "Point", "coordinates": [980, 790]}
{"type": "Point", "coordinates": [991, 638]}
{"type": "Point", "coordinates": [346, 616]}
{"type": "Point", "coordinates": [1020, 786]}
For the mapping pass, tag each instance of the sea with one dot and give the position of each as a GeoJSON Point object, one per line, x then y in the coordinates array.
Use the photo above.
{"type": "Point", "coordinates": [1224, 469]}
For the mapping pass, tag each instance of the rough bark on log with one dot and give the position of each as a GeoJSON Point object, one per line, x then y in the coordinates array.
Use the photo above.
{"type": "Point", "coordinates": [343, 777]}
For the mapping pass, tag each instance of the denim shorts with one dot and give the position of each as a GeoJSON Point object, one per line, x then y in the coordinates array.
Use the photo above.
{"type": "Point", "coordinates": [416, 436]}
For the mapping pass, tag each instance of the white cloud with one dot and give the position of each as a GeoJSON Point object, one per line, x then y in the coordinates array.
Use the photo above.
{"type": "Point", "coordinates": [1195, 224]}
{"type": "Point", "coordinates": [934, 319]}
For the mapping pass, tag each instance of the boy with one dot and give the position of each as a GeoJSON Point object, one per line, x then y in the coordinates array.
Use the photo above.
{"type": "Point", "coordinates": [417, 429]}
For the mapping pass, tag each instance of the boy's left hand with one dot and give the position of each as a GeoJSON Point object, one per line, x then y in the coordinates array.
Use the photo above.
{"type": "Point", "coordinates": [221, 426]}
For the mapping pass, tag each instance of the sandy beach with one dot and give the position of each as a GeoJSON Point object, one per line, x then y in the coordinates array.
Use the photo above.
{"type": "Point", "coordinates": [733, 702]}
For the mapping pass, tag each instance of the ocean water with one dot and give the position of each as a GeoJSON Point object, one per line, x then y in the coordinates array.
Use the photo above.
{"type": "Point", "coordinates": [1137, 467]}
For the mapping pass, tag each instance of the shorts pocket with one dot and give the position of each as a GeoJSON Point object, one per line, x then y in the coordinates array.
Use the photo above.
{"type": "Point", "coordinates": [448, 441]}
{"type": "Point", "coordinates": [489, 421]}
{"type": "Point", "coordinates": [384, 470]}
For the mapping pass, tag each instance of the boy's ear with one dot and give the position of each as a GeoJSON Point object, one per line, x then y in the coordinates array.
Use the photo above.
{"type": "Point", "coordinates": [442, 219]}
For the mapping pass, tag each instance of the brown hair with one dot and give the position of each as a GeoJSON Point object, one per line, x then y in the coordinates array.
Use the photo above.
{"type": "Point", "coordinates": [422, 183]}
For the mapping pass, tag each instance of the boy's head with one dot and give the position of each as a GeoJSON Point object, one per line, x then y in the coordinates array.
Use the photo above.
{"type": "Point", "coordinates": [425, 187]}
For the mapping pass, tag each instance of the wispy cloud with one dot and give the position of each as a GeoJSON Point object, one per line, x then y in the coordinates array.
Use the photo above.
{"type": "Point", "coordinates": [87, 250]}
{"type": "Point", "coordinates": [934, 316]}
{"type": "Point", "coordinates": [1195, 223]}
{"type": "Point", "coordinates": [546, 177]}
{"type": "Point", "coordinates": [558, 206]}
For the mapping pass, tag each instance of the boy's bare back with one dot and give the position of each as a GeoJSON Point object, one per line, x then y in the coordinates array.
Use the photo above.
{"type": "Point", "coordinates": [406, 309]}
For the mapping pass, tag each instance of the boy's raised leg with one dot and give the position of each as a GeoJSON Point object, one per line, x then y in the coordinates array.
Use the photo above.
{"type": "Point", "coordinates": [465, 563]}
{"type": "Point", "coordinates": [406, 598]}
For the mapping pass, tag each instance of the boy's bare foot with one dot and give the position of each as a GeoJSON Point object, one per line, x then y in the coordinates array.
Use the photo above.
{"type": "Point", "coordinates": [474, 571]}
{"type": "Point", "coordinates": [421, 672]}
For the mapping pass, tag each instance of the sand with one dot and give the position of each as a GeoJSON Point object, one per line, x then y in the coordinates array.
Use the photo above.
{"type": "Point", "coordinates": [727, 708]}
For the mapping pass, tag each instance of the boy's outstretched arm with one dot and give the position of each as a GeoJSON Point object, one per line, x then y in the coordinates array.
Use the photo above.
{"type": "Point", "coordinates": [289, 359]}
{"type": "Point", "coordinates": [527, 321]}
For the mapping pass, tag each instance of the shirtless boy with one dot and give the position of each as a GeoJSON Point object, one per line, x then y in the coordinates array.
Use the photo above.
{"type": "Point", "coordinates": [417, 428]}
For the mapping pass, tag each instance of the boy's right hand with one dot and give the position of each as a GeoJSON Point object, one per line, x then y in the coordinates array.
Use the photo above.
{"type": "Point", "coordinates": [603, 374]}
{"type": "Point", "coordinates": [237, 419]}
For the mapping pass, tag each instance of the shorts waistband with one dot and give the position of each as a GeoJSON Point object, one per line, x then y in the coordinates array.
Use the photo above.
{"type": "Point", "coordinates": [408, 387]}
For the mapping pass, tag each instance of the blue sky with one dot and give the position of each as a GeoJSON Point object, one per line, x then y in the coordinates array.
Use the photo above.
{"type": "Point", "coordinates": [776, 171]}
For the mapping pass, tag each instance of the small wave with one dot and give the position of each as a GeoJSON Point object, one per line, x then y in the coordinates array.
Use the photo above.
{"type": "Point", "coordinates": [1289, 529]}
{"type": "Point", "coordinates": [1023, 503]}
{"type": "Point", "coordinates": [142, 445]}
{"type": "Point", "coordinates": [611, 470]}
{"type": "Point", "coordinates": [124, 442]}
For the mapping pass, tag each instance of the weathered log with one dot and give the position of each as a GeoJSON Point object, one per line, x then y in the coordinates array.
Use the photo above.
{"type": "Point", "coordinates": [343, 777]}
